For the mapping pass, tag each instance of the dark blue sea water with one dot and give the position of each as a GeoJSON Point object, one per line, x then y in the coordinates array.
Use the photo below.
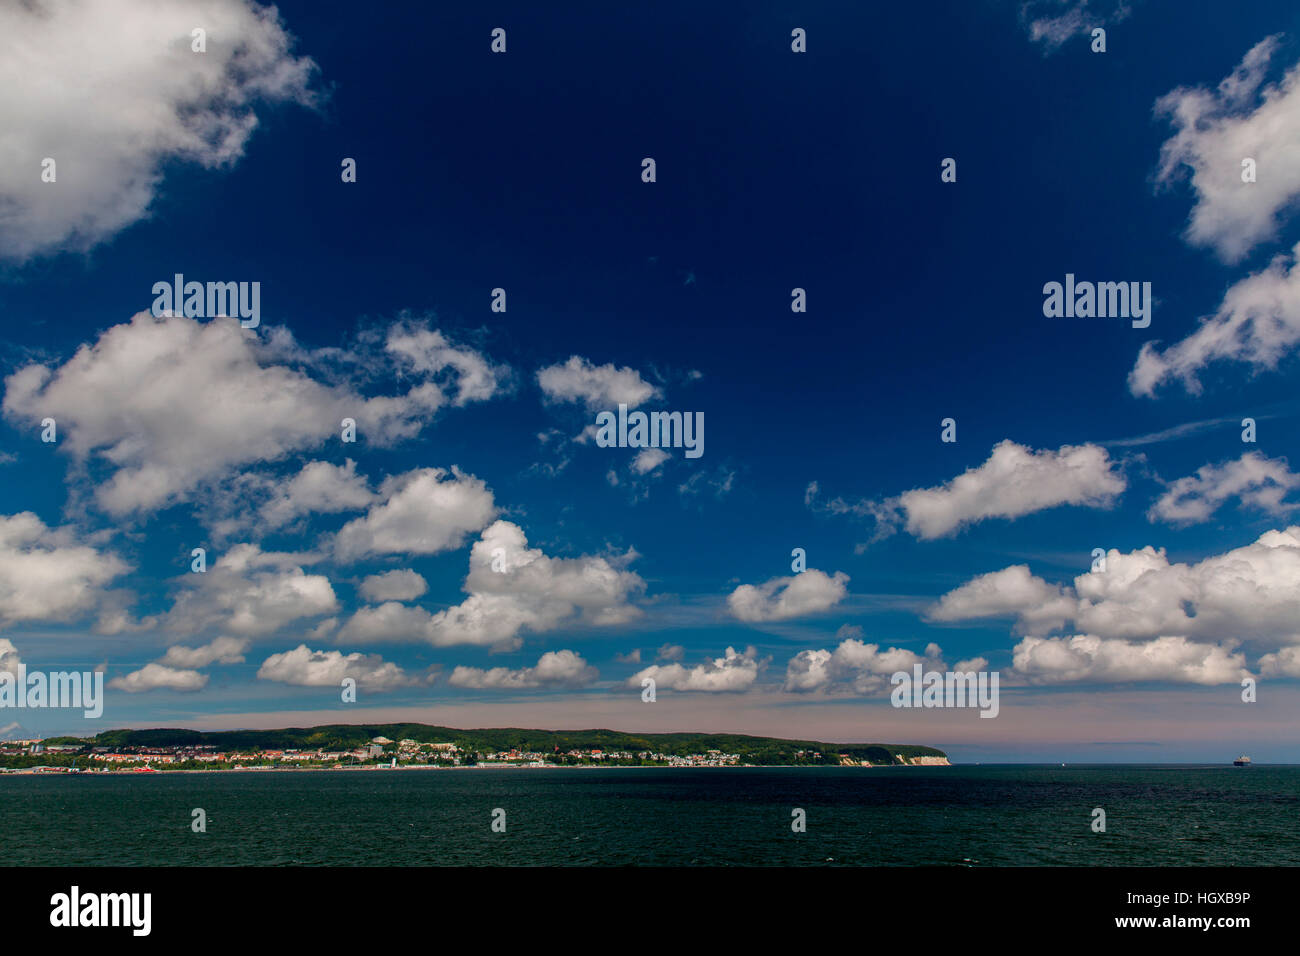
{"type": "Point", "coordinates": [958, 816]}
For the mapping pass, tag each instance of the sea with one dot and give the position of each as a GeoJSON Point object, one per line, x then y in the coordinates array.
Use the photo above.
{"type": "Point", "coordinates": [960, 816]}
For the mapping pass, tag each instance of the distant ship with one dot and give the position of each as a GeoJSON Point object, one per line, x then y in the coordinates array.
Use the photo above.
{"type": "Point", "coordinates": [1242, 761]}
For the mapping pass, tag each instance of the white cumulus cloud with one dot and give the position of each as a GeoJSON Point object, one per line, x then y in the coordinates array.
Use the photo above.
{"type": "Point", "coordinates": [425, 511]}
{"type": "Point", "coordinates": [553, 669]}
{"type": "Point", "coordinates": [1009, 593]}
{"type": "Point", "coordinates": [1283, 663]}
{"type": "Point", "coordinates": [532, 592]}
{"type": "Point", "coordinates": [780, 599]}
{"type": "Point", "coordinates": [1248, 595]}
{"type": "Point", "coordinates": [112, 92]}
{"type": "Point", "coordinates": [854, 666]}
{"type": "Point", "coordinates": [1252, 479]}
{"type": "Point", "coordinates": [159, 677]}
{"type": "Point", "coordinates": [49, 574]}
{"type": "Point", "coordinates": [733, 672]}
{"type": "Point", "coordinates": [303, 667]}
{"type": "Point", "coordinates": [9, 659]}
{"type": "Point", "coordinates": [1215, 130]}
{"type": "Point", "coordinates": [318, 488]}
{"type": "Point", "coordinates": [1086, 657]}
{"type": "Point", "coordinates": [1257, 323]}
{"type": "Point", "coordinates": [221, 650]}
{"type": "Point", "coordinates": [596, 386]}
{"type": "Point", "coordinates": [171, 403]}
{"type": "Point", "coordinates": [1015, 481]}
{"type": "Point", "coordinates": [400, 585]}
{"type": "Point", "coordinates": [249, 592]}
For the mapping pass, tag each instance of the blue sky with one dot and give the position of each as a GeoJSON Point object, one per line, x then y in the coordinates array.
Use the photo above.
{"type": "Point", "coordinates": [775, 170]}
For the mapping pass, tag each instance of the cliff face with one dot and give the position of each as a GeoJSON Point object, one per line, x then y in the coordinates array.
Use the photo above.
{"type": "Point", "coordinates": [846, 761]}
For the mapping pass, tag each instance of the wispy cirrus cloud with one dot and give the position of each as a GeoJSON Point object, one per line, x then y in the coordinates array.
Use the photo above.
{"type": "Point", "coordinates": [1053, 23]}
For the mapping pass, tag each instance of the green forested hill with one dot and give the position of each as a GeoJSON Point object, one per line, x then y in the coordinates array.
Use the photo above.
{"type": "Point", "coordinates": [345, 736]}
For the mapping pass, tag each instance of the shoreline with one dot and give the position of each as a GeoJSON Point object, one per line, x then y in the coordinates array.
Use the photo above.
{"type": "Point", "coordinates": [380, 767]}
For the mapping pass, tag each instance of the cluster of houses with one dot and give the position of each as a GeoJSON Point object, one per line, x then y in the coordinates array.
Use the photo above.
{"type": "Point", "coordinates": [407, 751]}
{"type": "Point", "coordinates": [380, 751]}
{"type": "Point", "coordinates": [533, 758]}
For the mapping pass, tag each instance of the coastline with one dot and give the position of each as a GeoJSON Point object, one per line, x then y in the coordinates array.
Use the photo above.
{"type": "Point", "coordinates": [382, 767]}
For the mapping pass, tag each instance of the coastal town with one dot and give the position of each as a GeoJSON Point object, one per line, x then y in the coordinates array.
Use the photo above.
{"type": "Point", "coordinates": [380, 753]}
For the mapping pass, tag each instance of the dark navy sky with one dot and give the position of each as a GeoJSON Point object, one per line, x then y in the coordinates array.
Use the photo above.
{"type": "Point", "coordinates": [774, 171]}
